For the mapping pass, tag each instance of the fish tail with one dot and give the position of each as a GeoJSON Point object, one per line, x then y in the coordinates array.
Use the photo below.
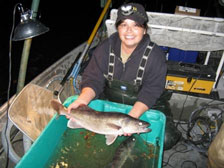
{"type": "Point", "coordinates": [57, 106]}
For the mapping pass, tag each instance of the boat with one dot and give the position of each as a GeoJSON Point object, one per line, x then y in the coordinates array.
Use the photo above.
{"type": "Point", "coordinates": [61, 80]}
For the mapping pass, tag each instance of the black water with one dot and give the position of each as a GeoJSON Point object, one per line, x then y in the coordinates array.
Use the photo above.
{"type": "Point", "coordinates": [70, 24]}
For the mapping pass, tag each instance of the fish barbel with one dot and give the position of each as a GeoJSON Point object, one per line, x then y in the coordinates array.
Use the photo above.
{"type": "Point", "coordinates": [110, 124]}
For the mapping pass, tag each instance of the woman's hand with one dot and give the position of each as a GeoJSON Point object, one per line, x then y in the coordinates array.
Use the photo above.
{"type": "Point", "coordinates": [86, 95]}
{"type": "Point", "coordinates": [138, 109]}
{"type": "Point", "coordinates": [76, 104]}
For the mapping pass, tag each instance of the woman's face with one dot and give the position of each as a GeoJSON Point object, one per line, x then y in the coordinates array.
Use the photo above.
{"type": "Point", "coordinates": [130, 33]}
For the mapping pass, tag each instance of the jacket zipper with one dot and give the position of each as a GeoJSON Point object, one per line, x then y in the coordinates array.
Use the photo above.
{"type": "Point", "coordinates": [124, 63]}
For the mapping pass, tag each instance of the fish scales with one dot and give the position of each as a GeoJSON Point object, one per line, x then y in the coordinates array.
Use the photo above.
{"type": "Point", "coordinates": [102, 121]}
{"type": "Point", "coordinates": [110, 124]}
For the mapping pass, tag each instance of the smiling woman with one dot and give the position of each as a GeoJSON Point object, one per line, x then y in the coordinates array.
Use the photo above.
{"type": "Point", "coordinates": [68, 28]}
{"type": "Point", "coordinates": [138, 81]}
{"type": "Point", "coordinates": [131, 34]}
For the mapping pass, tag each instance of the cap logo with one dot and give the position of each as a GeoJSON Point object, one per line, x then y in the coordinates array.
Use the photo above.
{"type": "Point", "coordinates": [127, 10]}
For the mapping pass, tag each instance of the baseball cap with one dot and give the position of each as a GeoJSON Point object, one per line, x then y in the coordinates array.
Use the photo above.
{"type": "Point", "coordinates": [133, 11]}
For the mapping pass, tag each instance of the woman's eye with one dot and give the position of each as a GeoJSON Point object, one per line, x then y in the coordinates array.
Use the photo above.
{"type": "Point", "coordinates": [136, 25]}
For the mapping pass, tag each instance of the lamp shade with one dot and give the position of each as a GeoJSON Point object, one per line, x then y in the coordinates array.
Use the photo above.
{"type": "Point", "coordinates": [29, 29]}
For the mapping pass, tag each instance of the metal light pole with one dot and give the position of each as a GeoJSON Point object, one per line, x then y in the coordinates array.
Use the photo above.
{"type": "Point", "coordinates": [26, 51]}
{"type": "Point", "coordinates": [21, 80]}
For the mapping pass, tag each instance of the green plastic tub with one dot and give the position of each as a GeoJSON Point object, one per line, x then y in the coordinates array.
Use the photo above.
{"type": "Point", "coordinates": [91, 147]}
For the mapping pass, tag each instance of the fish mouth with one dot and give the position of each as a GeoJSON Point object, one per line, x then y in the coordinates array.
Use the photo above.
{"type": "Point", "coordinates": [145, 128]}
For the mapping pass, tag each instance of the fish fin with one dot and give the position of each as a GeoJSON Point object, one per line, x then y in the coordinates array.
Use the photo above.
{"type": "Point", "coordinates": [110, 139]}
{"type": "Point", "coordinates": [72, 124]}
{"type": "Point", "coordinates": [132, 157]}
{"type": "Point", "coordinates": [114, 126]}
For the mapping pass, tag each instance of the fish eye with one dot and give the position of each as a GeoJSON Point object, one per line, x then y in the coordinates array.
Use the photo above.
{"type": "Point", "coordinates": [140, 123]}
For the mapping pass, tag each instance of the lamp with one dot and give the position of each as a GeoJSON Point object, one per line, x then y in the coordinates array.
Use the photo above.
{"type": "Point", "coordinates": [28, 27]}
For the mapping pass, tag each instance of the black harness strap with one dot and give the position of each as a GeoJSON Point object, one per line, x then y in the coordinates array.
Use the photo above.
{"type": "Point", "coordinates": [142, 65]}
{"type": "Point", "coordinates": [111, 65]}
{"type": "Point", "coordinates": [141, 69]}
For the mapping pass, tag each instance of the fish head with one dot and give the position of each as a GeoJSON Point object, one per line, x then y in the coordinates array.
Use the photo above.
{"type": "Point", "coordinates": [130, 142]}
{"type": "Point", "coordinates": [133, 125]}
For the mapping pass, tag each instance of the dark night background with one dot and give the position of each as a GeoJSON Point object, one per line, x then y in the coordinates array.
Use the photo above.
{"type": "Point", "coordinates": [70, 23]}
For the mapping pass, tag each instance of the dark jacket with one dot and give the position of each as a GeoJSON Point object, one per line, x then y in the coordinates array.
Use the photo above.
{"type": "Point", "coordinates": [154, 78]}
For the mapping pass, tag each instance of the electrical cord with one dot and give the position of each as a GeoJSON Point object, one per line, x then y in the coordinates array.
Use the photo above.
{"type": "Point", "coordinates": [180, 125]}
{"type": "Point", "coordinates": [176, 151]}
{"type": "Point", "coordinates": [207, 134]}
{"type": "Point", "coordinates": [9, 84]}
{"type": "Point", "coordinates": [210, 124]}
{"type": "Point", "coordinates": [201, 141]}
{"type": "Point", "coordinates": [182, 164]}
{"type": "Point", "coordinates": [167, 164]}
{"type": "Point", "coordinates": [181, 113]}
{"type": "Point", "coordinates": [13, 135]}
{"type": "Point", "coordinates": [13, 142]}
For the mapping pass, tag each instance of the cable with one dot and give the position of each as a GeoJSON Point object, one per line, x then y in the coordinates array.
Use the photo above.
{"type": "Point", "coordinates": [180, 125]}
{"type": "Point", "coordinates": [182, 164]}
{"type": "Point", "coordinates": [176, 151]}
{"type": "Point", "coordinates": [14, 134]}
{"type": "Point", "coordinates": [9, 84]}
{"type": "Point", "coordinates": [167, 164]}
{"type": "Point", "coordinates": [199, 110]}
{"type": "Point", "coordinates": [209, 125]}
{"type": "Point", "coordinates": [181, 113]}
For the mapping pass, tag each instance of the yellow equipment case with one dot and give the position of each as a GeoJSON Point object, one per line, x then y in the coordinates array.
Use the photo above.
{"type": "Point", "coordinates": [189, 77]}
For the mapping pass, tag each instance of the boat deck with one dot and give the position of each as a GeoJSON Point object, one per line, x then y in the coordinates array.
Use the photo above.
{"type": "Point", "coordinates": [183, 154]}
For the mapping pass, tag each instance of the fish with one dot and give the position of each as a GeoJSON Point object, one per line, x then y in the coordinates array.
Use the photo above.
{"type": "Point", "coordinates": [110, 124]}
{"type": "Point", "coordinates": [123, 152]}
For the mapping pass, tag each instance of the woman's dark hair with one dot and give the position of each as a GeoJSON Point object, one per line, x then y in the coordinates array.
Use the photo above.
{"type": "Point", "coordinates": [144, 25]}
